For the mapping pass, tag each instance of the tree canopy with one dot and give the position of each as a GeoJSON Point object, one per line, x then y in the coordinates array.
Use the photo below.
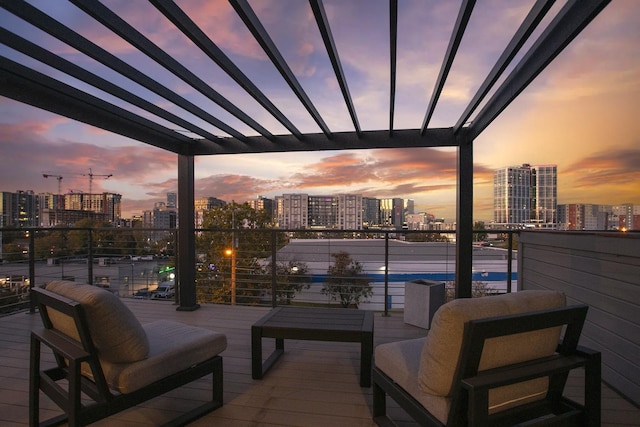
{"type": "Point", "coordinates": [346, 281]}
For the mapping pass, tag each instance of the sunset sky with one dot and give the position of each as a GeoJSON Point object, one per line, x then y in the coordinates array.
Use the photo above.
{"type": "Point", "coordinates": [582, 113]}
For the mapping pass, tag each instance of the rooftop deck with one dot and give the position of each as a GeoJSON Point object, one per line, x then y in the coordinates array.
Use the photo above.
{"type": "Point", "coordinates": [314, 384]}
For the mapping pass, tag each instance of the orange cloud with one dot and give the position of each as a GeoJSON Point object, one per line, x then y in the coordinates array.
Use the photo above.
{"type": "Point", "coordinates": [608, 168]}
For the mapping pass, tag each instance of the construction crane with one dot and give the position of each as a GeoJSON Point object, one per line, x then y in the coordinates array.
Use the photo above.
{"type": "Point", "coordinates": [58, 177]}
{"type": "Point", "coordinates": [91, 175]}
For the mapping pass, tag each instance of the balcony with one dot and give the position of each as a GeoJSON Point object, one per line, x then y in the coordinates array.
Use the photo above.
{"type": "Point", "coordinates": [574, 267]}
{"type": "Point", "coordinates": [316, 383]}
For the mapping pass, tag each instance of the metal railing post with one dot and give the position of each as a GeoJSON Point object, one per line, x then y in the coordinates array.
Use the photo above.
{"type": "Point", "coordinates": [32, 267]}
{"type": "Point", "coordinates": [386, 274]}
{"type": "Point", "coordinates": [510, 259]}
{"type": "Point", "coordinates": [90, 259]}
{"type": "Point", "coordinates": [274, 275]}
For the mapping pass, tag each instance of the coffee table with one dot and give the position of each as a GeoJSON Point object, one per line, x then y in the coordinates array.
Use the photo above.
{"type": "Point", "coordinates": [317, 324]}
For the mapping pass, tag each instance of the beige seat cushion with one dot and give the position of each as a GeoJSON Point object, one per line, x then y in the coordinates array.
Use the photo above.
{"type": "Point", "coordinates": [117, 335]}
{"type": "Point", "coordinates": [401, 361]}
{"type": "Point", "coordinates": [173, 347]}
{"type": "Point", "coordinates": [441, 351]}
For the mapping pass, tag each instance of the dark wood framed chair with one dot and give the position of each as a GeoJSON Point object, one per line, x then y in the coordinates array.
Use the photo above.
{"type": "Point", "coordinates": [91, 332]}
{"type": "Point", "coordinates": [488, 387]}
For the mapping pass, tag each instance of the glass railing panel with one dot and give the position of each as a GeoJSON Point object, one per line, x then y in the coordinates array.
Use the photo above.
{"type": "Point", "coordinates": [265, 267]}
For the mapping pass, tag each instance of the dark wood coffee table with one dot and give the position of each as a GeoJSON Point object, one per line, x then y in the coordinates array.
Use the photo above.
{"type": "Point", "coordinates": [317, 324]}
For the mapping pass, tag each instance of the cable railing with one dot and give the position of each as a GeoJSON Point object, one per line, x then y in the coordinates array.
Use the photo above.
{"type": "Point", "coordinates": [367, 269]}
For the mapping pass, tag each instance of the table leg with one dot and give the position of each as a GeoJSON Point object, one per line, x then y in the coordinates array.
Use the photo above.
{"type": "Point", "coordinates": [256, 352]}
{"type": "Point", "coordinates": [258, 369]}
{"type": "Point", "coordinates": [366, 356]}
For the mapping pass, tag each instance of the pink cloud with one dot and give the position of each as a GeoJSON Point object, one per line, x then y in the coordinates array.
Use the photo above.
{"type": "Point", "coordinates": [220, 22]}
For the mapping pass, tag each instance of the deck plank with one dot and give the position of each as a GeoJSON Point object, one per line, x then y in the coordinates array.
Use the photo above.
{"type": "Point", "coordinates": [315, 383]}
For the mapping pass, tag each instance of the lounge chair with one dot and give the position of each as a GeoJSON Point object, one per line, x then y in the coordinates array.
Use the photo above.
{"type": "Point", "coordinates": [491, 361]}
{"type": "Point", "coordinates": [106, 361]}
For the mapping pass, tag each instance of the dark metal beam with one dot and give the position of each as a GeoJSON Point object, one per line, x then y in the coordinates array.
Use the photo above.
{"type": "Point", "coordinates": [186, 259]}
{"type": "Point", "coordinates": [456, 37]}
{"type": "Point", "coordinates": [120, 27]}
{"type": "Point", "coordinates": [189, 28]}
{"type": "Point", "coordinates": [530, 23]}
{"type": "Point", "coordinates": [327, 37]}
{"type": "Point", "coordinates": [244, 10]}
{"type": "Point", "coordinates": [49, 25]}
{"type": "Point", "coordinates": [405, 138]}
{"type": "Point", "coordinates": [393, 47]}
{"type": "Point", "coordinates": [31, 87]}
{"type": "Point", "coordinates": [568, 23]}
{"type": "Point", "coordinates": [464, 218]}
{"type": "Point", "coordinates": [34, 51]}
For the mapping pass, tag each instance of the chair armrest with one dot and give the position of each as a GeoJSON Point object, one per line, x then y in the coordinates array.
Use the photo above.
{"type": "Point", "coordinates": [587, 352]}
{"type": "Point", "coordinates": [513, 374]}
{"type": "Point", "coordinates": [65, 347]}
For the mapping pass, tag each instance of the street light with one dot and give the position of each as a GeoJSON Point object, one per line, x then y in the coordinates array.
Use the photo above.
{"type": "Point", "coordinates": [232, 253]}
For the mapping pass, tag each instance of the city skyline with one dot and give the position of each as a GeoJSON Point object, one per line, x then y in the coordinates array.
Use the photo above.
{"type": "Point", "coordinates": [579, 114]}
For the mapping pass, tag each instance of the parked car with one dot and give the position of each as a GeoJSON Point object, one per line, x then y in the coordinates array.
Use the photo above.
{"type": "Point", "coordinates": [143, 293]}
{"type": "Point", "coordinates": [165, 290]}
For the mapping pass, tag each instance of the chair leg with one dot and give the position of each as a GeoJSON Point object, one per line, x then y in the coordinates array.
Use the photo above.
{"type": "Point", "coordinates": [34, 383]}
{"type": "Point", "coordinates": [593, 390]}
{"type": "Point", "coordinates": [75, 405]}
{"type": "Point", "coordinates": [218, 392]}
{"type": "Point", "coordinates": [379, 401]}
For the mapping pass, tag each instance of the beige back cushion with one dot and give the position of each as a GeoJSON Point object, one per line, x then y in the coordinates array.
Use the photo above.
{"type": "Point", "coordinates": [441, 352]}
{"type": "Point", "coordinates": [116, 333]}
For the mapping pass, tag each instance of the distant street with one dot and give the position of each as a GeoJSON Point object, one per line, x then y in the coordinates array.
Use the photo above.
{"type": "Point", "coordinates": [123, 277]}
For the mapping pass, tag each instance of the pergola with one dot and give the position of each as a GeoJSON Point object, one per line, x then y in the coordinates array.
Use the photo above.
{"type": "Point", "coordinates": [498, 89]}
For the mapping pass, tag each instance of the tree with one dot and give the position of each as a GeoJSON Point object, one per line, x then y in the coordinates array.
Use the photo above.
{"type": "Point", "coordinates": [426, 237]}
{"type": "Point", "coordinates": [479, 228]}
{"type": "Point", "coordinates": [12, 252]}
{"type": "Point", "coordinates": [346, 281]}
{"type": "Point", "coordinates": [230, 259]}
{"type": "Point", "coordinates": [106, 240]}
{"type": "Point", "coordinates": [291, 278]}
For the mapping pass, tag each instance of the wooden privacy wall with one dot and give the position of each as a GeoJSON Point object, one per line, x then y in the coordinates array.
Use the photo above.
{"type": "Point", "coordinates": [601, 269]}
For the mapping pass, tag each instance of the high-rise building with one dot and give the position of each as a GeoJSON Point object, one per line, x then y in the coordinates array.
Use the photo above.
{"type": "Point", "coordinates": [203, 205]}
{"type": "Point", "coordinates": [206, 203]}
{"type": "Point", "coordinates": [322, 211]}
{"type": "Point", "coordinates": [263, 203]}
{"type": "Point", "coordinates": [623, 217]}
{"type": "Point", "coordinates": [172, 200]}
{"type": "Point", "coordinates": [525, 195]}
{"type": "Point", "coordinates": [392, 213]}
{"type": "Point", "coordinates": [341, 211]}
{"type": "Point", "coordinates": [107, 204]}
{"type": "Point", "coordinates": [350, 211]}
{"type": "Point", "coordinates": [599, 217]}
{"type": "Point", "coordinates": [370, 212]}
{"type": "Point", "coordinates": [409, 206]}
{"type": "Point", "coordinates": [163, 217]}
{"type": "Point", "coordinates": [147, 219]}
{"type": "Point", "coordinates": [512, 195]}
{"type": "Point", "coordinates": [299, 211]}
{"type": "Point", "coordinates": [544, 193]}
{"type": "Point", "coordinates": [576, 216]}
{"type": "Point", "coordinates": [293, 210]}
{"type": "Point", "coordinates": [19, 209]}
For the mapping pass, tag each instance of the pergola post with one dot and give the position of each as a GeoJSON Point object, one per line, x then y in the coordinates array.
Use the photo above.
{"type": "Point", "coordinates": [464, 217]}
{"type": "Point", "coordinates": [186, 256]}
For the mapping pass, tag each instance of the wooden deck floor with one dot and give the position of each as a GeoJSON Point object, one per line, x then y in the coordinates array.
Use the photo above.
{"type": "Point", "coordinates": [313, 384]}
